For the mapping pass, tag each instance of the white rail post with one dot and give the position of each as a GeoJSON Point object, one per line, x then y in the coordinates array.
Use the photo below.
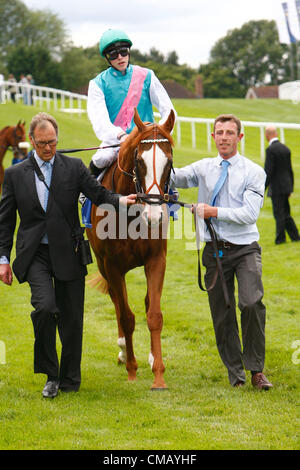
{"type": "Point", "coordinates": [193, 134]}
{"type": "Point", "coordinates": [262, 142]}
{"type": "Point", "coordinates": [243, 141]}
{"type": "Point", "coordinates": [208, 135]}
{"type": "Point", "coordinates": [178, 133]}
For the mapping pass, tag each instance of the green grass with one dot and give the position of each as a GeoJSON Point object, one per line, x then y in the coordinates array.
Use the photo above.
{"type": "Point", "coordinates": [200, 410]}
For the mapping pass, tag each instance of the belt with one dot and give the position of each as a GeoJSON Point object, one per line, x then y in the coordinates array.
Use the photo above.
{"type": "Point", "coordinates": [224, 244]}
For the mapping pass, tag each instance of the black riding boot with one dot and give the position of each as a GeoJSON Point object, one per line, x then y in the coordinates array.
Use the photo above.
{"type": "Point", "coordinates": [94, 169]}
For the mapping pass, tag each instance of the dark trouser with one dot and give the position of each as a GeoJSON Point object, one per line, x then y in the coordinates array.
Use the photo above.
{"type": "Point", "coordinates": [244, 262]}
{"type": "Point", "coordinates": [57, 304]}
{"type": "Point", "coordinates": [283, 219]}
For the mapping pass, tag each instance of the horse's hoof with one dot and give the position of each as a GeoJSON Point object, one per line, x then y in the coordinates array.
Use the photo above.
{"type": "Point", "coordinates": [158, 389]}
{"type": "Point", "coordinates": [132, 379]}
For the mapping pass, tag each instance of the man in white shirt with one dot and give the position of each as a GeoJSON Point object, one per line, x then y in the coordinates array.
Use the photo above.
{"type": "Point", "coordinates": [231, 193]}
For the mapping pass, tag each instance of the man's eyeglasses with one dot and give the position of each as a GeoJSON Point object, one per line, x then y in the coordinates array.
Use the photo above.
{"type": "Point", "coordinates": [114, 54]}
{"type": "Point", "coordinates": [43, 145]}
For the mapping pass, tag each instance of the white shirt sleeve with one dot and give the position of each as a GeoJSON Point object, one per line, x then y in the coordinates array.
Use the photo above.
{"type": "Point", "coordinates": [160, 98]}
{"type": "Point", "coordinates": [186, 177]}
{"type": "Point", "coordinates": [98, 115]}
{"type": "Point", "coordinates": [253, 198]}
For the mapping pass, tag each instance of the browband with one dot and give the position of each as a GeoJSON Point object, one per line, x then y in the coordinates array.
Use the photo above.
{"type": "Point", "coordinates": [146, 141]}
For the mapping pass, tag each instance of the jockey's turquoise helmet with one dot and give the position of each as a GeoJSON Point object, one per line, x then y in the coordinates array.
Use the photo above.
{"type": "Point", "coordinates": [113, 38]}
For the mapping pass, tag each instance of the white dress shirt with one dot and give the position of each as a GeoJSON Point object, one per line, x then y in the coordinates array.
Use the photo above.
{"type": "Point", "coordinates": [239, 201]}
{"type": "Point", "coordinates": [40, 186]}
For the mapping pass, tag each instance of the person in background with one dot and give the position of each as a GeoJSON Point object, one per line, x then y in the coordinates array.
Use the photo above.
{"type": "Point", "coordinates": [230, 195]}
{"type": "Point", "coordinates": [280, 184]}
{"type": "Point", "coordinates": [24, 88]}
{"type": "Point", "coordinates": [12, 88]}
{"type": "Point", "coordinates": [30, 92]}
{"type": "Point", "coordinates": [114, 93]}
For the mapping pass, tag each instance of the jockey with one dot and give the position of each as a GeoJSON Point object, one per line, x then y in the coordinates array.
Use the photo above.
{"type": "Point", "coordinates": [114, 93]}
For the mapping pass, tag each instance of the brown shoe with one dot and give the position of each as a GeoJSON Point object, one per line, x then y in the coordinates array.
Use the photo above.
{"type": "Point", "coordinates": [260, 382]}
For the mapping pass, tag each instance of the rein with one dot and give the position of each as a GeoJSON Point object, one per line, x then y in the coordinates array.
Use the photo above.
{"type": "Point", "coordinates": [89, 148]}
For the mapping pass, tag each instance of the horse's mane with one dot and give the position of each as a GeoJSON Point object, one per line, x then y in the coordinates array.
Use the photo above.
{"type": "Point", "coordinates": [4, 129]}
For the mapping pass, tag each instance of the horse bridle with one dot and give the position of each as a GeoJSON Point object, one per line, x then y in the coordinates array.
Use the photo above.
{"type": "Point", "coordinates": [147, 197]}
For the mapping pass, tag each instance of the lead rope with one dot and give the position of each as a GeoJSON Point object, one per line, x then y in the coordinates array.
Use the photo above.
{"type": "Point", "coordinates": [219, 269]}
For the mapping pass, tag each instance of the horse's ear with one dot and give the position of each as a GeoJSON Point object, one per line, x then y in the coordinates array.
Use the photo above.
{"type": "Point", "coordinates": [24, 122]}
{"type": "Point", "coordinates": [169, 124]}
{"type": "Point", "coordinates": [19, 122]}
{"type": "Point", "coordinates": [138, 122]}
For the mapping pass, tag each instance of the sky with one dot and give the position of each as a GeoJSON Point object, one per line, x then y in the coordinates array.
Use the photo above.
{"type": "Point", "coordinates": [190, 27]}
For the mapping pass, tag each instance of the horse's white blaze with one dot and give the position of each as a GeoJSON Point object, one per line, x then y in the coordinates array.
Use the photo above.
{"type": "Point", "coordinates": [153, 213]}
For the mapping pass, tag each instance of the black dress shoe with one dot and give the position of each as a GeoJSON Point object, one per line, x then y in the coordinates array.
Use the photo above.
{"type": "Point", "coordinates": [51, 389]}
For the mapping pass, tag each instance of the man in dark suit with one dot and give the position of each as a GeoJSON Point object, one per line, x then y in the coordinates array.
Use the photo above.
{"type": "Point", "coordinates": [280, 180]}
{"type": "Point", "coordinates": [46, 249]}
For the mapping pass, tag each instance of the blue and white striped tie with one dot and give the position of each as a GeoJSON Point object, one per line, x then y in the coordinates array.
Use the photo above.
{"type": "Point", "coordinates": [47, 170]}
{"type": "Point", "coordinates": [225, 164]}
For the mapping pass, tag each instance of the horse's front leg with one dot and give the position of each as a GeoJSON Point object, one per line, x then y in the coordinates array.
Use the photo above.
{"type": "Point", "coordinates": [118, 292]}
{"type": "Point", "coordinates": [155, 271]}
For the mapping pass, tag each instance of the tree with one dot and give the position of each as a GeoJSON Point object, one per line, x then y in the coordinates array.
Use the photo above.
{"type": "Point", "coordinates": [79, 65]}
{"type": "Point", "coordinates": [252, 53]}
{"type": "Point", "coordinates": [156, 56]}
{"type": "Point", "coordinates": [21, 26]}
{"type": "Point", "coordinates": [37, 61]}
{"type": "Point", "coordinates": [172, 58]}
{"type": "Point", "coordinates": [219, 82]}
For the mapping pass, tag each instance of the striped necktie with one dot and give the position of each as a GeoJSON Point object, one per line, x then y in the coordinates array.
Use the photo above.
{"type": "Point", "coordinates": [47, 170]}
{"type": "Point", "coordinates": [225, 164]}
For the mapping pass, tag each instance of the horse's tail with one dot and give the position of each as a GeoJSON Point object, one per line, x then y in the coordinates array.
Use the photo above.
{"type": "Point", "coordinates": [99, 282]}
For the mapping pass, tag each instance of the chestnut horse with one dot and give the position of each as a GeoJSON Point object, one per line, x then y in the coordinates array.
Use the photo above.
{"type": "Point", "coordinates": [12, 137]}
{"type": "Point", "coordinates": [144, 165]}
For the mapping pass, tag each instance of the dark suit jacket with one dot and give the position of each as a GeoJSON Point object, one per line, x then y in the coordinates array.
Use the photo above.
{"type": "Point", "coordinates": [69, 178]}
{"type": "Point", "coordinates": [278, 167]}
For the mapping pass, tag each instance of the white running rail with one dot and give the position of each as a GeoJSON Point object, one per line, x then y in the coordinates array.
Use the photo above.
{"type": "Point", "coordinates": [75, 103]}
